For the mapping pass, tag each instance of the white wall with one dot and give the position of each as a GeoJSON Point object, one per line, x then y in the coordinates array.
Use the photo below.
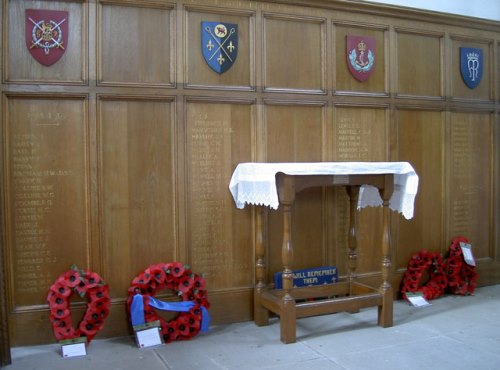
{"type": "Point", "coordinates": [488, 9]}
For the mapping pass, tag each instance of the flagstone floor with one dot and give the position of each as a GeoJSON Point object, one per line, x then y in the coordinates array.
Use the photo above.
{"type": "Point", "coordinates": [453, 333]}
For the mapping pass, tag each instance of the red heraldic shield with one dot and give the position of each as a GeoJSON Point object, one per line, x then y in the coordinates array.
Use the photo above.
{"type": "Point", "coordinates": [46, 34]}
{"type": "Point", "coordinates": [360, 56]}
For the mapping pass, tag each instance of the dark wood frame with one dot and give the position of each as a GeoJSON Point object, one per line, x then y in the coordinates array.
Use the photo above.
{"type": "Point", "coordinates": [347, 295]}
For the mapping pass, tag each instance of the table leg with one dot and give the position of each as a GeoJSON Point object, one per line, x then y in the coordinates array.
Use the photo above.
{"type": "Point", "coordinates": [261, 314]}
{"type": "Point", "coordinates": [287, 305]}
{"type": "Point", "coordinates": [385, 312]}
{"type": "Point", "coordinates": [352, 243]}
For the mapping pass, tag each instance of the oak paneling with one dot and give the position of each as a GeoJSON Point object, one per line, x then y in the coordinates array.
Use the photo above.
{"type": "Point", "coordinates": [47, 214]}
{"type": "Point", "coordinates": [294, 133]}
{"type": "Point", "coordinates": [420, 142]}
{"type": "Point", "coordinates": [136, 44]}
{"type": "Point", "coordinates": [220, 237]}
{"type": "Point", "coordinates": [469, 165]}
{"type": "Point", "coordinates": [137, 187]}
{"type": "Point", "coordinates": [294, 53]}
{"type": "Point", "coordinates": [46, 192]}
{"type": "Point", "coordinates": [460, 90]}
{"type": "Point", "coordinates": [360, 135]}
{"type": "Point", "coordinates": [419, 64]}
{"type": "Point", "coordinates": [241, 75]}
{"type": "Point", "coordinates": [344, 81]}
{"type": "Point", "coordinates": [133, 138]}
{"type": "Point", "coordinates": [20, 66]}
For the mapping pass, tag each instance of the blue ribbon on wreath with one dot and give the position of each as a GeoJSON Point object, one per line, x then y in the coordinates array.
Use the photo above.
{"type": "Point", "coordinates": [137, 310]}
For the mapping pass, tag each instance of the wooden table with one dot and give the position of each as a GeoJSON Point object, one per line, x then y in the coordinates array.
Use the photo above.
{"type": "Point", "coordinates": [293, 303]}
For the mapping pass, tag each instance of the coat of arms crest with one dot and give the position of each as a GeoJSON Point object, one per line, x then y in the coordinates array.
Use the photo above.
{"type": "Point", "coordinates": [219, 44]}
{"type": "Point", "coordinates": [360, 56]}
{"type": "Point", "coordinates": [46, 34]}
{"type": "Point", "coordinates": [471, 66]}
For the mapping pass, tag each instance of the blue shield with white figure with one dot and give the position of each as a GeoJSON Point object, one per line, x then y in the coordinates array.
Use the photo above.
{"type": "Point", "coordinates": [471, 66]}
{"type": "Point", "coordinates": [219, 45]}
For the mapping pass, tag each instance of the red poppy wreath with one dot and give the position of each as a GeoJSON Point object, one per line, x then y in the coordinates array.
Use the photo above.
{"type": "Point", "coordinates": [429, 262]}
{"type": "Point", "coordinates": [86, 284]}
{"type": "Point", "coordinates": [189, 287]}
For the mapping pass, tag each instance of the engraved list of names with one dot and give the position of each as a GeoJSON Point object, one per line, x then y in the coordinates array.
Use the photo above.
{"type": "Point", "coordinates": [46, 202]}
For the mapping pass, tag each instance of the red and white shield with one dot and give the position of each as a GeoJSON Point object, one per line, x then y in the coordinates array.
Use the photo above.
{"type": "Point", "coordinates": [360, 56]}
{"type": "Point", "coordinates": [46, 34]}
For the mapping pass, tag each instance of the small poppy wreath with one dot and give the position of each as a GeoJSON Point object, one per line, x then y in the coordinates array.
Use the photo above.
{"type": "Point", "coordinates": [429, 262]}
{"type": "Point", "coordinates": [461, 276]}
{"type": "Point", "coordinates": [86, 284]}
{"type": "Point", "coordinates": [188, 286]}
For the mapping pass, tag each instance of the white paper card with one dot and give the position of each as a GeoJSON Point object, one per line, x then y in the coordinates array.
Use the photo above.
{"type": "Point", "coordinates": [148, 337]}
{"type": "Point", "coordinates": [72, 350]}
{"type": "Point", "coordinates": [417, 300]}
{"type": "Point", "coordinates": [467, 252]}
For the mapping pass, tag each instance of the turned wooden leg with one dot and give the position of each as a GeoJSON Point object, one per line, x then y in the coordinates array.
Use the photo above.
{"type": "Point", "coordinates": [352, 242]}
{"type": "Point", "coordinates": [261, 314]}
{"type": "Point", "coordinates": [385, 312]}
{"type": "Point", "coordinates": [287, 305]}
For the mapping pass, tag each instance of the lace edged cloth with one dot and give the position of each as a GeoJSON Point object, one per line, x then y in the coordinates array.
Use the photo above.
{"type": "Point", "coordinates": [255, 183]}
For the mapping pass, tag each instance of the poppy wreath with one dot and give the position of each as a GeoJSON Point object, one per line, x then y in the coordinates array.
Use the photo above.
{"type": "Point", "coordinates": [86, 284]}
{"type": "Point", "coordinates": [421, 262]}
{"type": "Point", "coordinates": [462, 277]}
{"type": "Point", "coordinates": [189, 287]}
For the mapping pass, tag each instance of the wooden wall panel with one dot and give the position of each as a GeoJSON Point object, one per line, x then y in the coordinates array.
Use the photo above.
{"type": "Point", "coordinates": [295, 134]}
{"type": "Point", "coordinates": [151, 135]}
{"type": "Point", "coordinates": [242, 73]}
{"type": "Point", "coordinates": [344, 81]}
{"type": "Point", "coordinates": [137, 188]}
{"type": "Point", "coordinates": [302, 64]}
{"type": "Point", "coordinates": [20, 66]}
{"type": "Point", "coordinates": [469, 188]}
{"type": "Point", "coordinates": [419, 64]}
{"type": "Point", "coordinates": [420, 142]}
{"type": "Point", "coordinates": [220, 237]}
{"type": "Point", "coordinates": [360, 135]}
{"type": "Point", "coordinates": [459, 89]}
{"type": "Point", "coordinates": [136, 44]}
{"type": "Point", "coordinates": [47, 202]}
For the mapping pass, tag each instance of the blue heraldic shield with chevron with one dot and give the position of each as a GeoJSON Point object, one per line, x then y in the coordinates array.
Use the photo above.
{"type": "Point", "coordinates": [471, 66]}
{"type": "Point", "coordinates": [219, 45]}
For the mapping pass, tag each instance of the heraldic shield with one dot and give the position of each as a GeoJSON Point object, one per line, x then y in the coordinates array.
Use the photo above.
{"type": "Point", "coordinates": [360, 56]}
{"type": "Point", "coordinates": [219, 44]}
{"type": "Point", "coordinates": [471, 66]}
{"type": "Point", "coordinates": [46, 34]}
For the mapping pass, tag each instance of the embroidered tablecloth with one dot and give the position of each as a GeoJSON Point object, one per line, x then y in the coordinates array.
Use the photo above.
{"type": "Point", "coordinates": [255, 183]}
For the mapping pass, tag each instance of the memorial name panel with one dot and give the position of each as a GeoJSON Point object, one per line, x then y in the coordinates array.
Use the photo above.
{"type": "Point", "coordinates": [470, 199]}
{"type": "Point", "coordinates": [219, 137]}
{"type": "Point", "coordinates": [47, 200]}
{"type": "Point", "coordinates": [360, 135]}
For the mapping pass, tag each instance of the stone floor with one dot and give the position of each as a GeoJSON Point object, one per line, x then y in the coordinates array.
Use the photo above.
{"type": "Point", "coordinates": [455, 332]}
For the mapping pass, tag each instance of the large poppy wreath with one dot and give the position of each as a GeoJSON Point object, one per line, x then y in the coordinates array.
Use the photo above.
{"type": "Point", "coordinates": [432, 264]}
{"type": "Point", "coordinates": [462, 276]}
{"type": "Point", "coordinates": [453, 275]}
{"type": "Point", "coordinates": [189, 287]}
{"type": "Point", "coordinates": [86, 284]}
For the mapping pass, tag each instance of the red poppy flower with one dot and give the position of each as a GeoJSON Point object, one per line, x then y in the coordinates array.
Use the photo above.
{"type": "Point", "coordinates": [88, 329]}
{"type": "Point", "coordinates": [60, 288]}
{"type": "Point", "coordinates": [57, 301]}
{"type": "Point", "coordinates": [60, 313]}
{"type": "Point", "coordinates": [92, 279]}
{"type": "Point", "coordinates": [199, 283]}
{"type": "Point", "coordinates": [185, 284]}
{"type": "Point", "coordinates": [176, 269]}
{"type": "Point", "coordinates": [72, 278]}
{"type": "Point", "coordinates": [98, 292]}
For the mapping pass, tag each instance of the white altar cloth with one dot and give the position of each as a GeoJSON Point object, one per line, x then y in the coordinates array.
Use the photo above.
{"type": "Point", "coordinates": [255, 183]}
